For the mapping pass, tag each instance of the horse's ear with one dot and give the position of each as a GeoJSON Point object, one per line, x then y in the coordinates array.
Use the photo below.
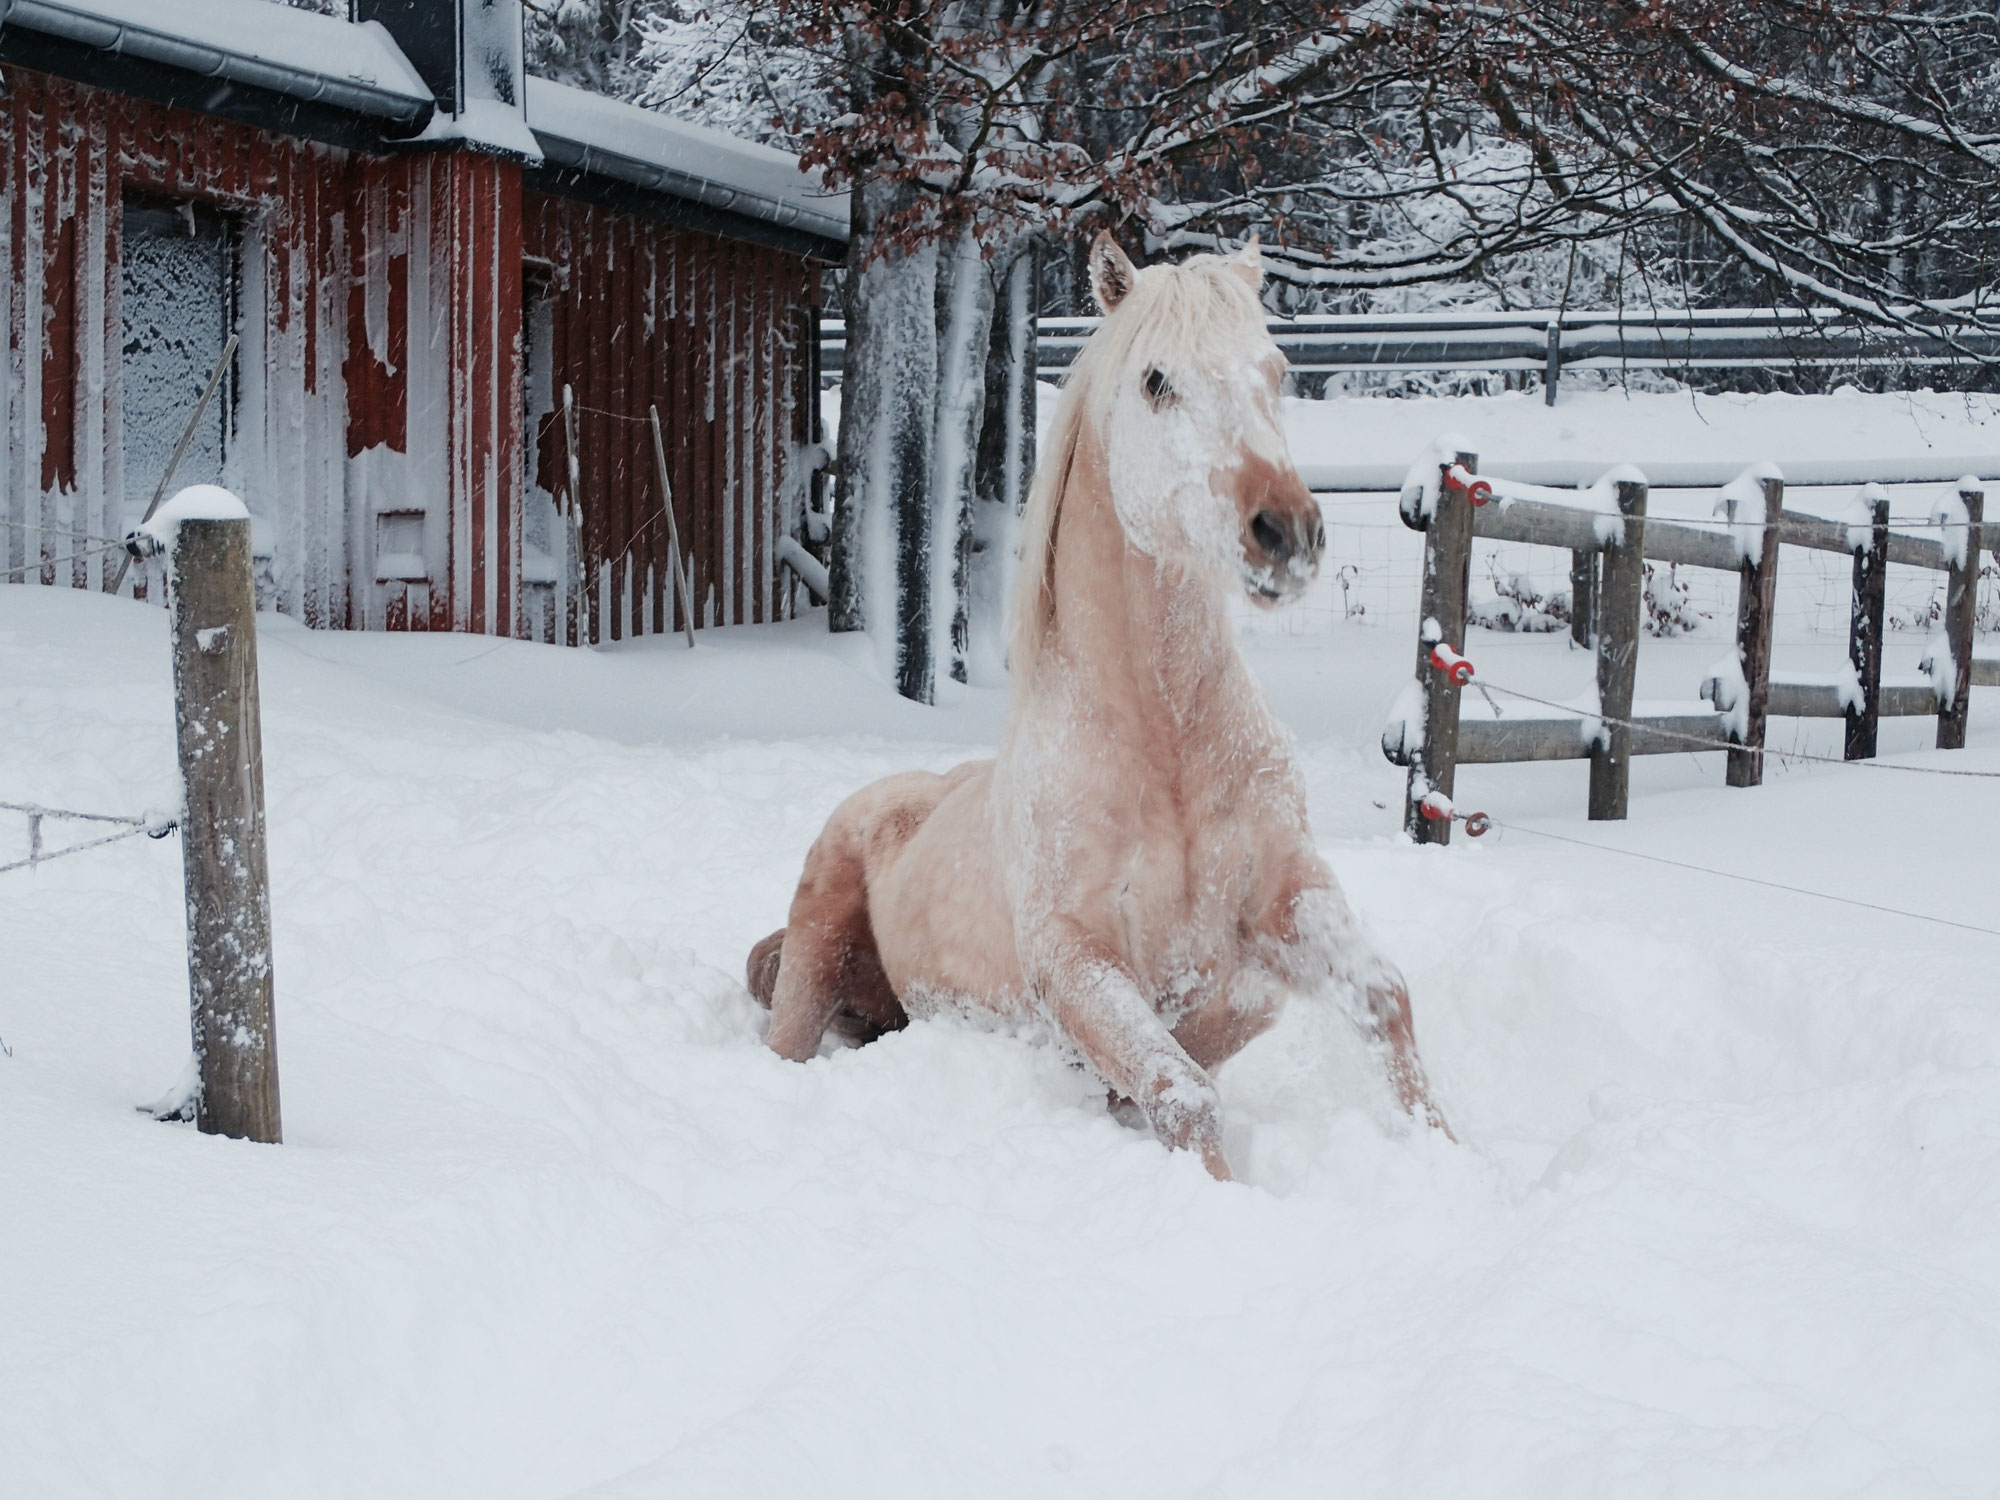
{"type": "Point", "coordinates": [1111, 272]}
{"type": "Point", "coordinates": [1249, 262]}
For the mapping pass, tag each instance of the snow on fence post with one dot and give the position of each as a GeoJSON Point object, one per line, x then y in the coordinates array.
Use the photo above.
{"type": "Point", "coordinates": [1447, 574]}
{"type": "Point", "coordinates": [205, 532]}
{"type": "Point", "coordinates": [1755, 603]}
{"type": "Point", "coordinates": [1961, 549]}
{"type": "Point", "coordinates": [1618, 610]}
{"type": "Point", "coordinates": [1867, 617]}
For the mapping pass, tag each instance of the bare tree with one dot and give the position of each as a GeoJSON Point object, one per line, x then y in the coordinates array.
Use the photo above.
{"type": "Point", "coordinates": [1842, 155]}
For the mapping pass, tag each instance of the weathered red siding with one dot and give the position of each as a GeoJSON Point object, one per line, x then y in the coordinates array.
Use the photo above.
{"type": "Point", "coordinates": [379, 403]}
{"type": "Point", "coordinates": [644, 315]}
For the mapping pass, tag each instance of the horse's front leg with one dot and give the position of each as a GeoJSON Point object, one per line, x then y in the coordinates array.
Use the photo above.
{"type": "Point", "coordinates": [1321, 947]}
{"type": "Point", "coordinates": [1092, 999]}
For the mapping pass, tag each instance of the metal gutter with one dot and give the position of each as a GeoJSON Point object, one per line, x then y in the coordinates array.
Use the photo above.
{"type": "Point", "coordinates": [596, 161]}
{"type": "Point", "coordinates": [148, 44]}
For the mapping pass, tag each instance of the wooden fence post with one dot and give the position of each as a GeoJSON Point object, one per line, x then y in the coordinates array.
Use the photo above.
{"type": "Point", "coordinates": [1755, 606]}
{"type": "Point", "coordinates": [1961, 603]}
{"type": "Point", "coordinates": [1447, 573]}
{"type": "Point", "coordinates": [1583, 596]}
{"type": "Point", "coordinates": [1864, 631]}
{"type": "Point", "coordinates": [1618, 655]}
{"type": "Point", "coordinates": [214, 615]}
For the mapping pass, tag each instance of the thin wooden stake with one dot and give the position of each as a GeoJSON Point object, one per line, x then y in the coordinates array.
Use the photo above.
{"type": "Point", "coordinates": [214, 612]}
{"type": "Point", "coordinates": [1960, 616]}
{"type": "Point", "coordinates": [684, 585]}
{"type": "Point", "coordinates": [1447, 574]}
{"type": "Point", "coordinates": [1867, 615]}
{"type": "Point", "coordinates": [1755, 607]}
{"type": "Point", "coordinates": [1618, 601]}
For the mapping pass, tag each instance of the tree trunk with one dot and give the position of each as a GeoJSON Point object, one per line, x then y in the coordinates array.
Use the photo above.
{"type": "Point", "coordinates": [965, 301]}
{"type": "Point", "coordinates": [1006, 461]}
{"type": "Point", "coordinates": [881, 574]}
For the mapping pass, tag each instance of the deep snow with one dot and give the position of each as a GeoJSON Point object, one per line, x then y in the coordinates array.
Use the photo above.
{"type": "Point", "coordinates": [549, 1221]}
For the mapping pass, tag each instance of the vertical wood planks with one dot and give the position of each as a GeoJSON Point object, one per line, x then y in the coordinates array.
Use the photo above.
{"type": "Point", "coordinates": [379, 386]}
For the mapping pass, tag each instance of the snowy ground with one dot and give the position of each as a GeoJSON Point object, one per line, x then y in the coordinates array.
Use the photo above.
{"type": "Point", "coordinates": [549, 1221]}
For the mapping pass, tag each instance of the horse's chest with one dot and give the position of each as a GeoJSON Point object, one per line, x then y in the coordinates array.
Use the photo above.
{"type": "Point", "coordinates": [1179, 903]}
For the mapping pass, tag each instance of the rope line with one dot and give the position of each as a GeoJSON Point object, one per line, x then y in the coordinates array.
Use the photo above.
{"type": "Point", "coordinates": [1776, 885]}
{"type": "Point", "coordinates": [548, 417]}
{"type": "Point", "coordinates": [1704, 742]}
{"type": "Point", "coordinates": [35, 810]}
{"type": "Point", "coordinates": [41, 858]}
{"type": "Point", "coordinates": [80, 536]}
{"type": "Point", "coordinates": [56, 562]}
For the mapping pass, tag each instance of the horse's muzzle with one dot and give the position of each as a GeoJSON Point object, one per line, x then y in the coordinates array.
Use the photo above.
{"type": "Point", "coordinates": [1281, 550]}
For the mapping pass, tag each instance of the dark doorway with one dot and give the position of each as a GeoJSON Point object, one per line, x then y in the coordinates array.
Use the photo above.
{"type": "Point", "coordinates": [177, 281]}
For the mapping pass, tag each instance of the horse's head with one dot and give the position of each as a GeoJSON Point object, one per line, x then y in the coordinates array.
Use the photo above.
{"type": "Point", "coordinates": [1185, 391]}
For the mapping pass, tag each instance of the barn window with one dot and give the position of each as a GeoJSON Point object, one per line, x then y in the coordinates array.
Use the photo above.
{"type": "Point", "coordinates": [177, 289]}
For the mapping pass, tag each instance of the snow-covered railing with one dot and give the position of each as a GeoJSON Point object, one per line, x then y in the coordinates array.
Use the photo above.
{"type": "Point", "coordinates": [1608, 535]}
{"type": "Point", "coordinates": [1550, 341]}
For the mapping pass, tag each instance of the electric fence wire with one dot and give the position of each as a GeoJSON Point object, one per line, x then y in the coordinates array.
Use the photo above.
{"type": "Point", "coordinates": [157, 828]}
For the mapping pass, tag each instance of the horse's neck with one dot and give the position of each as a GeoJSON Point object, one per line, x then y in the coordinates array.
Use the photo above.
{"type": "Point", "coordinates": [1149, 648]}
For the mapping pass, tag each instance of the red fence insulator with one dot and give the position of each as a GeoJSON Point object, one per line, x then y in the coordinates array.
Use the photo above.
{"type": "Point", "coordinates": [1468, 484]}
{"type": "Point", "coordinates": [1449, 662]}
{"type": "Point", "coordinates": [1436, 808]}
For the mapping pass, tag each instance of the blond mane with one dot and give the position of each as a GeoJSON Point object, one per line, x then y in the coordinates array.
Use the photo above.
{"type": "Point", "coordinates": [1172, 316]}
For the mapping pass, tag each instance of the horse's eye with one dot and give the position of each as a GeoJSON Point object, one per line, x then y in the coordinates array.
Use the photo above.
{"type": "Point", "coordinates": [1159, 389]}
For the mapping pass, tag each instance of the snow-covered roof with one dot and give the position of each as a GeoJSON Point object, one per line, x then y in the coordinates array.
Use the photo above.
{"type": "Point", "coordinates": [297, 53]}
{"type": "Point", "coordinates": [358, 67]}
{"type": "Point", "coordinates": [590, 133]}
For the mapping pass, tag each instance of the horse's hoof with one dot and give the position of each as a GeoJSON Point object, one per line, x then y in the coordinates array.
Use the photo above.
{"type": "Point", "coordinates": [761, 973]}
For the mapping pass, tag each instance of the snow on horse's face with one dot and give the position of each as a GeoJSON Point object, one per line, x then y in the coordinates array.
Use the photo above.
{"type": "Point", "coordinates": [1187, 406]}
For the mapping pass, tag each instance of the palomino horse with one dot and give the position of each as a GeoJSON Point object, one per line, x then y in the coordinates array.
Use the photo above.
{"type": "Point", "coordinates": [1134, 869]}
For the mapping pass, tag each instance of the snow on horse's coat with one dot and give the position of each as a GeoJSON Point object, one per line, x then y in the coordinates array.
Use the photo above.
{"type": "Point", "coordinates": [1134, 869]}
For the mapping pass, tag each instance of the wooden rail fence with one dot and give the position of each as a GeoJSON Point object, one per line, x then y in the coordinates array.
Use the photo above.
{"type": "Point", "coordinates": [1610, 538]}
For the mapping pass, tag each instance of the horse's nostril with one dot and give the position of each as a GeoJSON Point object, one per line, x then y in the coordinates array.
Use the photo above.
{"type": "Point", "coordinates": [1319, 534]}
{"type": "Point", "coordinates": [1269, 534]}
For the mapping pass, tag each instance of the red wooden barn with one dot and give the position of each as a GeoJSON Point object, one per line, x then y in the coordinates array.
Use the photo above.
{"type": "Point", "coordinates": [420, 249]}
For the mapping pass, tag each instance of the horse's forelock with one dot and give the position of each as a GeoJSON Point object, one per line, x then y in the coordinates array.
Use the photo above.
{"type": "Point", "coordinates": [1175, 315]}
